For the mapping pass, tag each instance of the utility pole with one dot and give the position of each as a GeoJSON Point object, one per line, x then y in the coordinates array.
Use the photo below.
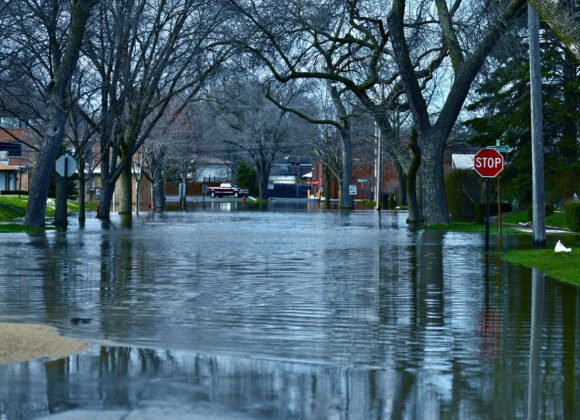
{"type": "Point", "coordinates": [538, 199]}
{"type": "Point", "coordinates": [379, 166]}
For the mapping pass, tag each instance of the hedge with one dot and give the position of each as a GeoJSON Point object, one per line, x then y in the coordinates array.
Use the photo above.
{"type": "Point", "coordinates": [462, 190]}
{"type": "Point", "coordinates": [573, 215]}
{"type": "Point", "coordinates": [549, 211]}
{"type": "Point", "coordinates": [505, 208]}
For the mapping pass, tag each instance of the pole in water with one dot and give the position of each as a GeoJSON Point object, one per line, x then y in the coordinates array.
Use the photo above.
{"type": "Point", "coordinates": [487, 193]}
{"type": "Point", "coordinates": [499, 204]}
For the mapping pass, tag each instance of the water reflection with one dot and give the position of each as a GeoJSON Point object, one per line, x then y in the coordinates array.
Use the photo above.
{"type": "Point", "coordinates": [281, 314]}
{"type": "Point", "coordinates": [537, 321]}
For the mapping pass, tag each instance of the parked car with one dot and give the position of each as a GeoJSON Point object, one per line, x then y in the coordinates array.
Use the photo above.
{"type": "Point", "coordinates": [227, 189]}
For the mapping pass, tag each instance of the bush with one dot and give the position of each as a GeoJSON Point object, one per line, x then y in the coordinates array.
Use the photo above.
{"type": "Point", "coordinates": [573, 216]}
{"type": "Point", "coordinates": [462, 189]}
{"type": "Point", "coordinates": [246, 178]}
{"type": "Point", "coordinates": [505, 208]}
{"type": "Point", "coordinates": [13, 192]}
{"type": "Point", "coordinates": [549, 211]}
{"type": "Point", "coordinates": [392, 202]}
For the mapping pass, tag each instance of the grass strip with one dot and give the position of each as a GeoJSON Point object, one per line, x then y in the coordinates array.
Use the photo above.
{"type": "Point", "coordinates": [562, 266]}
{"type": "Point", "coordinates": [471, 227]}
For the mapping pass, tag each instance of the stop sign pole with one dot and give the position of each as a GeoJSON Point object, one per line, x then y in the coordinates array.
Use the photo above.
{"type": "Point", "coordinates": [488, 163]}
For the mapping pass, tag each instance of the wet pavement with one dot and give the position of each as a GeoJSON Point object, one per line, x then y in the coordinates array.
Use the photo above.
{"type": "Point", "coordinates": [286, 312]}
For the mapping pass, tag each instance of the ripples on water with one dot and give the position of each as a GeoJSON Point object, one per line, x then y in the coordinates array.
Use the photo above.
{"type": "Point", "coordinates": [291, 315]}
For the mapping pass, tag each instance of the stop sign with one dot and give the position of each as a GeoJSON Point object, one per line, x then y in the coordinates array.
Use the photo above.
{"type": "Point", "coordinates": [314, 183]}
{"type": "Point", "coordinates": [488, 163]}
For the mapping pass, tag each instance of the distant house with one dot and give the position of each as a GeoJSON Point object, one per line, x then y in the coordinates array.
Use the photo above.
{"type": "Point", "coordinates": [15, 158]}
{"type": "Point", "coordinates": [462, 161]}
{"type": "Point", "coordinates": [8, 176]}
{"type": "Point", "coordinates": [291, 170]}
{"type": "Point", "coordinates": [211, 169]}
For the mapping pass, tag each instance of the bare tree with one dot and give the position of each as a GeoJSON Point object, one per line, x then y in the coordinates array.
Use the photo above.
{"type": "Point", "coordinates": [252, 123]}
{"type": "Point", "coordinates": [467, 57]}
{"type": "Point", "coordinates": [341, 121]}
{"type": "Point", "coordinates": [348, 42]}
{"type": "Point", "coordinates": [562, 17]}
{"type": "Point", "coordinates": [331, 41]}
{"type": "Point", "coordinates": [145, 54]}
{"type": "Point", "coordinates": [47, 36]}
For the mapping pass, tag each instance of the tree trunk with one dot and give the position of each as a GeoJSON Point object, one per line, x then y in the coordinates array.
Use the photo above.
{"type": "Point", "coordinates": [262, 173]}
{"type": "Point", "coordinates": [158, 195]}
{"type": "Point", "coordinates": [107, 197]}
{"type": "Point", "coordinates": [137, 193]}
{"type": "Point", "coordinates": [82, 191]}
{"type": "Point", "coordinates": [415, 210]}
{"type": "Point", "coordinates": [435, 203]}
{"type": "Point", "coordinates": [327, 179]}
{"type": "Point", "coordinates": [41, 175]}
{"type": "Point", "coordinates": [183, 198]}
{"type": "Point", "coordinates": [402, 176]}
{"type": "Point", "coordinates": [126, 197]}
{"type": "Point", "coordinates": [56, 92]}
{"type": "Point", "coordinates": [346, 200]}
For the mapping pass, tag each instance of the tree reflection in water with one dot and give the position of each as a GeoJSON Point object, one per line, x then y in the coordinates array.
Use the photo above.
{"type": "Point", "coordinates": [288, 315]}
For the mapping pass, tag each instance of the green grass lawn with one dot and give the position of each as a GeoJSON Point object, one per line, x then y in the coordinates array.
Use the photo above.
{"type": "Point", "coordinates": [13, 208]}
{"type": "Point", "coordinates": [472, 227]}
{"type": "Point", "coordinates": [562, 266]}
{"type": "Point", "coordinates": [558, 219]}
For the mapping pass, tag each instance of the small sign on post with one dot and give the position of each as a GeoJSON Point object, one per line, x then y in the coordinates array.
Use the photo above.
{"type": "Point", "coordinates": [314, 182]}
{"type": "Point", "coordinates": [352, 189]}
{"type": "Point", "coordinates": [488, 163]}
{"type": "Point", "coordinates": [65, 166]}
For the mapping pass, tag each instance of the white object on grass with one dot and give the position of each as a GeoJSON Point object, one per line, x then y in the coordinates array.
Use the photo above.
{"type": "Point", "coordinates": [561, 248]}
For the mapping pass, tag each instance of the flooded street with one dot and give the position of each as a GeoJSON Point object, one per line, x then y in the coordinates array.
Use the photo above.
{"type": "Point", "coordinates": [288, 313]}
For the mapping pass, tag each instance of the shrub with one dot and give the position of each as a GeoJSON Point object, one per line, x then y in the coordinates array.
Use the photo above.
{"type": "Point", "coordinates": [505, 208]}
{"type": "Point", "coordinates": [392, 202]}
{"type": "Point", "coordinates": [549, 211]}
{"type": "Point", "coordinates": [246, 178]}
{"type": "Point", "coordinates": [573, 215]}
{"type": "Point", "coordinates": [462, 189]}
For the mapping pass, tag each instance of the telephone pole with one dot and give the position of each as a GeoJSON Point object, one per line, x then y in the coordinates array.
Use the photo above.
{"type": "Point", "coordinates": [538, 199]}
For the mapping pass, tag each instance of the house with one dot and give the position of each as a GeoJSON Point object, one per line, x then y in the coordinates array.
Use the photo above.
{"type": "Point", "coordinates": [457, 154]}
{"type": "Point", "coordinates": [211, 169]}
{"type": "Point", "coordinates": [291, 170]}
{"type": "Point", "coordinates": [16, 158]}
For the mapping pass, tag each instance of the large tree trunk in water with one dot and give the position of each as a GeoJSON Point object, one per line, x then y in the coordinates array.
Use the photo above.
{"type": "Point", "coordinates": [346, 200]}
{"type": "Point", "coordinates": [56, 91]}
{"type": "Point", "coordinates": [415, 209]}
{"type": "Point", "coordinates": [107, 197]}
{"type": "Point", "coordinates": [158, 196]}
{"type": "Point", "coordinates": [137, 194]}
{"type": "Point", "coordinates": [82, 191]}
{"type": "Point", "coordinates": [38, 193]}
{"type": "Point", "coordinates": [327, 179]}
{"type": "Point", "coordinates": [126, 197]}
{"type": "Point", "coordinates": [434, 202]}
{"type": "Point", "coordinates": [262, 172]}
{"type": "Point", "coordinates": [402, 183]}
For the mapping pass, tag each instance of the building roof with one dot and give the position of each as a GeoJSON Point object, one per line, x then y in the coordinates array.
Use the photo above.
{"type": "Point", "coordinates": [19, 133]}
{"type": "Point", "coordinates": [462, 161]}
{"type": "Point", "coordinates": [5, 167]}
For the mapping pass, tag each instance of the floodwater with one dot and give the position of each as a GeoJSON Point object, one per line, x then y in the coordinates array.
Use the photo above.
{"type": "Point", "coordinates": [289, 313]}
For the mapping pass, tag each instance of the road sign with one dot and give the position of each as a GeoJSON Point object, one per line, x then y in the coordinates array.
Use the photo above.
{"type": "Point", "coordinates": [65, 166]}
{"type": "Point", "coordinates": [314, 183]}
{"type": "Point", "coordinates": [363, 180]}
{"type": "Point", "coordinates": [352, 189]}
{"type": "Point", "coordinates": [501, 149]}
{"type": "Point", "coordinates": [488, 163]}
